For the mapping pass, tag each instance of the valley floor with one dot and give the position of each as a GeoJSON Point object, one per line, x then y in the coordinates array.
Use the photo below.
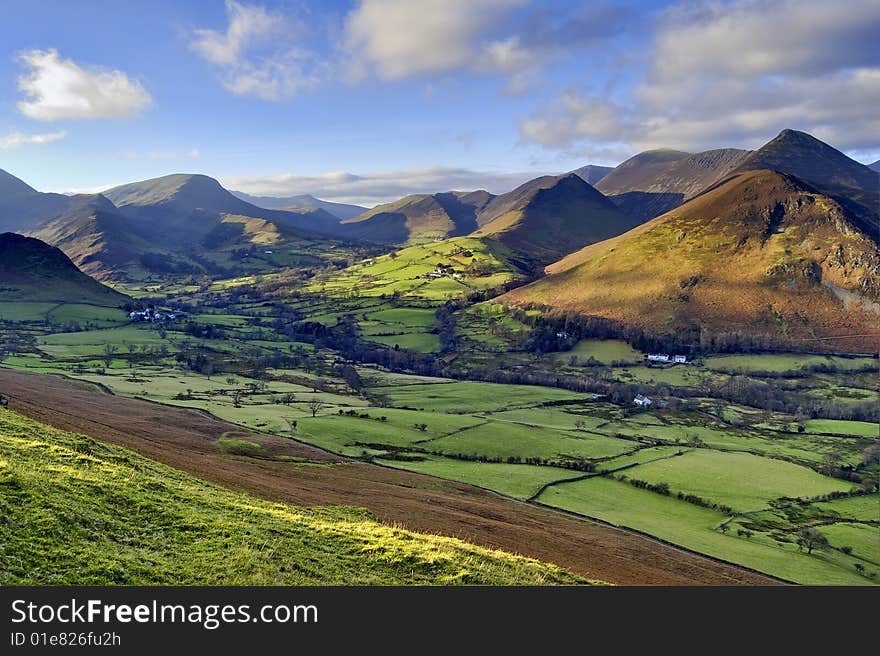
{"type": "Point", "coordinates": [303, 475]}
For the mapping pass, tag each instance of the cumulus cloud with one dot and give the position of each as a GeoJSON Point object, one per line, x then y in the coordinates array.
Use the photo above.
{"type": "Point", "coordinates": [381, 187]}
{"type": "Point", "coordinates": [60, 89]}
{"type": "Point", "coordinates": [17, 139]}
{"type": "Point", "coordinates": [736, 74]}
{"type": "Point", "coordinates": [402, 38]}
{"type": "Point", "coordinates": [257, 54]}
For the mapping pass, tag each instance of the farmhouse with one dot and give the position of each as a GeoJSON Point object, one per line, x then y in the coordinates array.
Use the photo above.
{"type": "Point", "coordinates": [562, 334]}
{"type": "Point", "coordinates": [680, 359]}
{"type": "Point", "coordinates": [642, 401]}
{"type": "Point", "coordinates": [658, 357]}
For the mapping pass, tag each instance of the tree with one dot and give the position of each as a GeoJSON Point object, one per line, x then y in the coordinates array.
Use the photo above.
{"type": "Point", "coordinates": [109, 351]}
{"type": "Point", "coordinates": [810, 538]}
{"type": "Point", "coordinates": [288, 398]}
{"type": "Point", "coordinates": [830, 462]}
{"type": "Point", "coordinates": [579, 424]}
{"type": "Point", "coordinates": [316, 405]}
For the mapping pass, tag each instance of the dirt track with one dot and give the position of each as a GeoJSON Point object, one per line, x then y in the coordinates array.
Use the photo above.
{"type": "Point", "coordinates": [184, 439]}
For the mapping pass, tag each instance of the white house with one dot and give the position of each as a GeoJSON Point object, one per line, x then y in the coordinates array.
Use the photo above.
{"type": "Point", "coordinates": [658, 357]}
{"type": "Point", "coordinates": [680, 359]}
{"type": "Point", "coordinates": [642, 401]}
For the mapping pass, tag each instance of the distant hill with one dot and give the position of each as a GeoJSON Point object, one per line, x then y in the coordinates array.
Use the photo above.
{"type": "Point", "coordinates": [655, 181]}
{"type": "Point", "coordinates": [188, 206]}
{"type": "Point", "coordinates": [31, 270]}
{"type": "Point", "coordinates": [828, 169]}
{"type": "Point", "coordinates": [21, 206]}
{"type": "Point", "coordinates": [762, 255]}
{"type": "Point", "coordinates": [94, 235]}
{"type": "Point", "coordinates": [875, 166]}
{"type": "Point", "coordinates": [178, 224]}
{"type": "Point", "coordinates": [419, 218]}
{"type": "Point", "coordinates": [592, 173]}
{"type": "Point", "coordinates": [302, 201]}
{"type": "Point", "coordinates": [549, 217]}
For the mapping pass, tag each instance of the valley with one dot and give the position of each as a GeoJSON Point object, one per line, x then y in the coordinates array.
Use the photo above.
{"type": "Point", "coordinates": [673, 393]}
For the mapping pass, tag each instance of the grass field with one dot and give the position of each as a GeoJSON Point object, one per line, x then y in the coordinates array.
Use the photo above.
{"type": "Point", "coordinates": [467, 397]}
{"type": "Point", "coordinates": [512, 440]}
{"type": "Point", "coordinates": [605, 351]}
{"type": "Point", "coordinates": [516, 481]}
{"type": "Point", "coordinates": [740, 480]}
{"type": "Point", "coordinates": [780, 362]}
{"type": "Point", "coordinates": [840, 427]}
{"type": "Point", "coordinates": [695, 528]}
{"type": "Point", "coordinates": [86, 513]}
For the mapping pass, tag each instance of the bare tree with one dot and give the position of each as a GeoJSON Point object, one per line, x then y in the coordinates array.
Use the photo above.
{"type": "Point", "coordinates": [316, 405]}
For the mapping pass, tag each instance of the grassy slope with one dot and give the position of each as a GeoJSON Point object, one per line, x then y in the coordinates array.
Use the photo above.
{"type": "Point", "coordinates": [79, 512]}
{"type": "Point", "coordinates": [746, 257]}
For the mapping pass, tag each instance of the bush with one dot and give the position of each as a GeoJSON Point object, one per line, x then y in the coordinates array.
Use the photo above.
{"type": "Point", "coordinates": [241, 448]}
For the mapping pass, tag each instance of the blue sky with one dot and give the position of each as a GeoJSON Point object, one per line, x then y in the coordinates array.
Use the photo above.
{"type": "Point", "coordinates": [366, 101]}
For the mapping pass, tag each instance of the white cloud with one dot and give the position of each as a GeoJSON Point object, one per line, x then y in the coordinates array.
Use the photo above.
{"type": "Point", "coordinates": [248, 25]}
{"type": "Point", "coordinates": [62, 89]}
{"type": "Point", "coordinates": [380, 187]}
{"type": "Point", "coordinates": [736, 74]}
{"type": "Point", "coordinates": [17, 139]}
{"type": "Point", "coordinates": [400, 38]}
{"type": "Point", "coordinates": [257, 55]}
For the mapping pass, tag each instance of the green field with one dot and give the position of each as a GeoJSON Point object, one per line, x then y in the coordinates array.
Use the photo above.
{"type": "Point", "coordinates": [605, 351]}
{"type": "Point", "coordinates": [511, 440]}
{"type": "Point", "coordinates": [742, 481]}
{"type": "Point", "coordinates": [466, 397]}
{"type": "Point", "coordinates": [92, 514]}
{"type": "Point", "coordinates": [780, 362]}
{"type": "Point", "coordinates": [696, 528]}
{"type": "Point", "coordinates": [840, 427]}
{"type": "Point", "coordinates": [516, 481]}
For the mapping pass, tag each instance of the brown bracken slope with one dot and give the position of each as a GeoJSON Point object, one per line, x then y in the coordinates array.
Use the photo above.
{"type": "Point", "coordinates": [762, 255]}
{"type": "Point", "coordinates": [185, 439]}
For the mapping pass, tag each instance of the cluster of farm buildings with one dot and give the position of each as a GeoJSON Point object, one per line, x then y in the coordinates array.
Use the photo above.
{"type": "Point", "coordinates": [153, 315]}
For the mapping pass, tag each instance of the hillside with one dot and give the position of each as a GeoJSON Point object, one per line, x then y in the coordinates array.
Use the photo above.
{"type": "Point", "coordinates": [762, 254]}
{"type": "Point", "coordinates": [875, 166]}
{"type": "Point", "coordinates": [592, 173]}
{"type": "Point", "coordinates": [826, 168]}
{"type": "Point", "coordinates": [93, 234]}
{"type": "Point", "coordinates": [31, 270]}
{"type": "Point", "coordinates": [550, 217]}
{"type": "Point", "coordinates": [419, 218]}
{"type": "Point", "coordinates": [302, 201]}
{"type": "Point", "coordinates": [68, 503]}
{"type": "Point", "coordinates": [656, 181]}
{"type": "Point", "coordinates": [22, 206]}
{"type": "Point", "coordinates": [185, 208]}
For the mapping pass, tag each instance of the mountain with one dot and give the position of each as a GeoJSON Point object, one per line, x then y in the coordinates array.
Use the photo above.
{"type": "Point", "coordinates": [419, 218]}
{"type": "Point", "coordinates": [180, 224]}
{"type": "Point", "coordinates": [186, 207]}
{"type": "Point", "coordinates": [31, 270]}
{"type": "Point", "coordinates": [592, 173]}
{"type": "Point", "coordinates": [655, 181]}
{"type": "Point", "coordinates": [549, 217]}
{"type": "Point", "coordinates": [303, 201]}
{"type": "Point", "coordinates": [762, 255]}
{"type": "Point", "coordinates": [94, 235]}
{"type": "Point", "coordinates": [875, 166]}
{"type": "Point", "coordinates": [21, 205]}
{"type": "Point", "coordinates": [828, 169]}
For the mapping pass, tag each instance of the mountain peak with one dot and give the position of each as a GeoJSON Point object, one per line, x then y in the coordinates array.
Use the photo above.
{"type": "Point", "coordinates": [12, 186]}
